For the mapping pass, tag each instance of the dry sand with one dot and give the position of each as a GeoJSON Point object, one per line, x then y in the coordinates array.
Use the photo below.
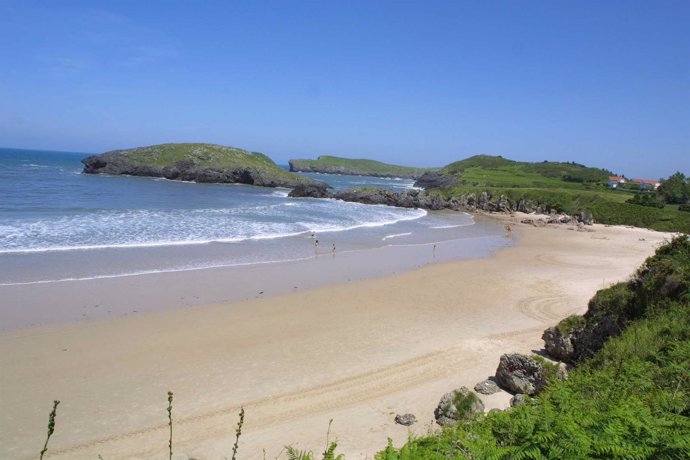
{"type": "Point", "coordinates": [356, 353]}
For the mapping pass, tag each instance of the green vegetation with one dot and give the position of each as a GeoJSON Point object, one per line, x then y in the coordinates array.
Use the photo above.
{"type": "Point", "coordinates": [667, 219]}
{"type": "Point", "coordinates": [194, 162]}
{"type": "Point", "coordinates": [490, 171]}
{"type": "Point", "coordinates": [676, 189]}
{"type": "Point", "coordinates": [463, 404]}
{"type": "Point", "coordinates": [646, 199]}
{"type": "Point", "coordinates": [207, 156]}
{"type": "Point", "coordinates": [51, 427]}
{"type": "Point", "coordinates": [337, 165]}
{"type": "Point", "coordinates": [630, 400]}
{"type": "Point", "coordinates": [170, 439]}
{"type": "Point", "coordinates": [211, 156]}
{"type": "Point", "coordinates": [570, 323]}
{"type": "Point", "coordinates": [565, 188]}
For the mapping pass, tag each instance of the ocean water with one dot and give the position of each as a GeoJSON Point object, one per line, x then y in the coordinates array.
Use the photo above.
{"type": "Point", "coordinates": [59, 224]}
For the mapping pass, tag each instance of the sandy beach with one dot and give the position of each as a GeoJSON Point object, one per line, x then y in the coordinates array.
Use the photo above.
{"type": "Point", "coordinates": [357, 352]}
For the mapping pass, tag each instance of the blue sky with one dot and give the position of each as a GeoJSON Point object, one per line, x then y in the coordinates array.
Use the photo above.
{"type": "Point", "coordinates": [605, 83]}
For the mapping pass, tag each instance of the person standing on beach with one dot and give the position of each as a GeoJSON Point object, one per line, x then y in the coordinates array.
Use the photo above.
{"type": "Point", "coordinates": [334, 248]}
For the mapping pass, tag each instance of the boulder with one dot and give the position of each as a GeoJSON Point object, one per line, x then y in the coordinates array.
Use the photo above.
{"type": "Point", "coordinates": [447, 413]}
{"type": "Point", "coordinates": [558, 344]}
{"type": "Point", "coordinates": [486, 387]}
{"type": "Point", "coordinates": [406, 419]}
{"type": "Point", "coordinates": [519, 373]}
{"type": "Point", "coordinates": [315, 190]}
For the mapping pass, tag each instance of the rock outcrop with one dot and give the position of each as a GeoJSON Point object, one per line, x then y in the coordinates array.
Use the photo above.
{"type": "Point", "coordinates": [487, 387]}
{"type": "Point", "coordinates": [406, 199]}
{"type": "Point", "coordinates": [559, 344]}
{"type": "Point", "coordinates": [406, 419]}
{"type": "Point", "coordinates": [435, 179]}
{"type": "Point", "coordinates": [457, 405]}
{"type": "Point", "coordinates": [519, 373]}
{"type": "Point", "coordinates": [314, 190]}
{"type": "Point", "coordinates": [194, 162]}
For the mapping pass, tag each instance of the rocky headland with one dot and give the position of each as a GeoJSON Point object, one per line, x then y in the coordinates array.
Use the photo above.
{"type": "Point", "coordinates": [196, 163]}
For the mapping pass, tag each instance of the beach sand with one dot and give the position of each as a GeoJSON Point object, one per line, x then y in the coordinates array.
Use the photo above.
{"type": "Point", "coordinates": [357, 353]}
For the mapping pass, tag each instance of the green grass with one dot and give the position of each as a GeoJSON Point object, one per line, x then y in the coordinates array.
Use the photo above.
{"type": "Point", "coordinates": [608, 206]}
{"type": "Point", "coordinates": [485, 170]}
{"type": "Point", "coordinates": [571, 322]}
{"type": "Point", "coordinates": [338, 165]}
{"type": "Point", "coordinates": [212, 156]}
{"type": "Point", "coordinates": [564, 187]}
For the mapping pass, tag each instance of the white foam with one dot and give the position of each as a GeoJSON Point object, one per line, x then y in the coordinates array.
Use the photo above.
{"type": "Point", "coordinates": [153, 272]}
{"type": "Point", "coordinates": [395, 235]}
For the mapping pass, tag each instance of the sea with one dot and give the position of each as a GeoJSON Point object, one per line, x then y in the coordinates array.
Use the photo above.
{"type": "Point", "coordinates": [58, 224]}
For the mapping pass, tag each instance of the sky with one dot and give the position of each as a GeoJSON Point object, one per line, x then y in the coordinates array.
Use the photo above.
{"type": "Point", "coordinates": [421, 83]}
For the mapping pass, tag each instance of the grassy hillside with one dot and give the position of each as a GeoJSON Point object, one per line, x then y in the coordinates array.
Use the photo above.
{"type": "Point", "coordinates": [630, 400]}
{"type": "Point", "coordinates": [337, 165]}
{"type": "Point", "coordinates": [564, 187]}
{"type": "Point", "coordinates": [492, 171]}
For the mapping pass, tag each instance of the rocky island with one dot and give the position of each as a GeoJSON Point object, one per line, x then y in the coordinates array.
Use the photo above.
{"type": "Point", "coordinates": [337, 165]}
{"type": "Point", "coordinates": [195, 162]}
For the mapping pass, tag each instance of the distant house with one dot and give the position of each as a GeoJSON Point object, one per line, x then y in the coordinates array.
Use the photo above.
{"type": "Point", "coordinates": [646, 184]}
{"type": "Point", "coordinates": [615, 181]}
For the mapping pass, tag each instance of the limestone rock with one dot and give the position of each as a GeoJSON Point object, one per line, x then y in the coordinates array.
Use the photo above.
{"type": "Point", "coordinates": [447, 413]}
{"type": "Point", "coordinates": [486, 387]}
{"type": "Point", "coordinates": [434, 179]}
{"type": "Point", "coordinates": [518, 373]}
{"type": "Point", "coordinates": [406, 419]}
{"type": "Point", "coordinates": [315, 190]}
{"type": "Point", "coordinates": [559, 345]}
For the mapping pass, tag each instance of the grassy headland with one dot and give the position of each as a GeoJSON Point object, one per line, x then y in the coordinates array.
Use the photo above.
{"type": "Point", "coordinates": [195, 162]}
{"type": "Point", "coordinates": [338, 165]}
{"type": "Point", "coordinates": [563, 187]}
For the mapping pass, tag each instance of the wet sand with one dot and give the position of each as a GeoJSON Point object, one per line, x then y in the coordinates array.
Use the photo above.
{"type": "Point", "coordinates": [356, 352]}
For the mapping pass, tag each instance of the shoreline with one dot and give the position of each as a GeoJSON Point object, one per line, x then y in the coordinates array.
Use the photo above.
{"type": "Point", "coordinates": [88, 299]}
{"type": "Point", "coordinates": [356, 352]}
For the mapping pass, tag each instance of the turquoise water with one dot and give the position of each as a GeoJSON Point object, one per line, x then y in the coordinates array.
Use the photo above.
{"type": "Point", "coordinates": [57, 223]}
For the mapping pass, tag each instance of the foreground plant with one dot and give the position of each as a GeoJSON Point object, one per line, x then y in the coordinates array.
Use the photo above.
{"type": "Point", "coordinates": [51, 427]}
{"type": "Point", "coordinates": [170, 400]}
{"type": "Point", "coordinates": [328, 454]}
{"type": "Point", "coordinates": [238, 432]}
